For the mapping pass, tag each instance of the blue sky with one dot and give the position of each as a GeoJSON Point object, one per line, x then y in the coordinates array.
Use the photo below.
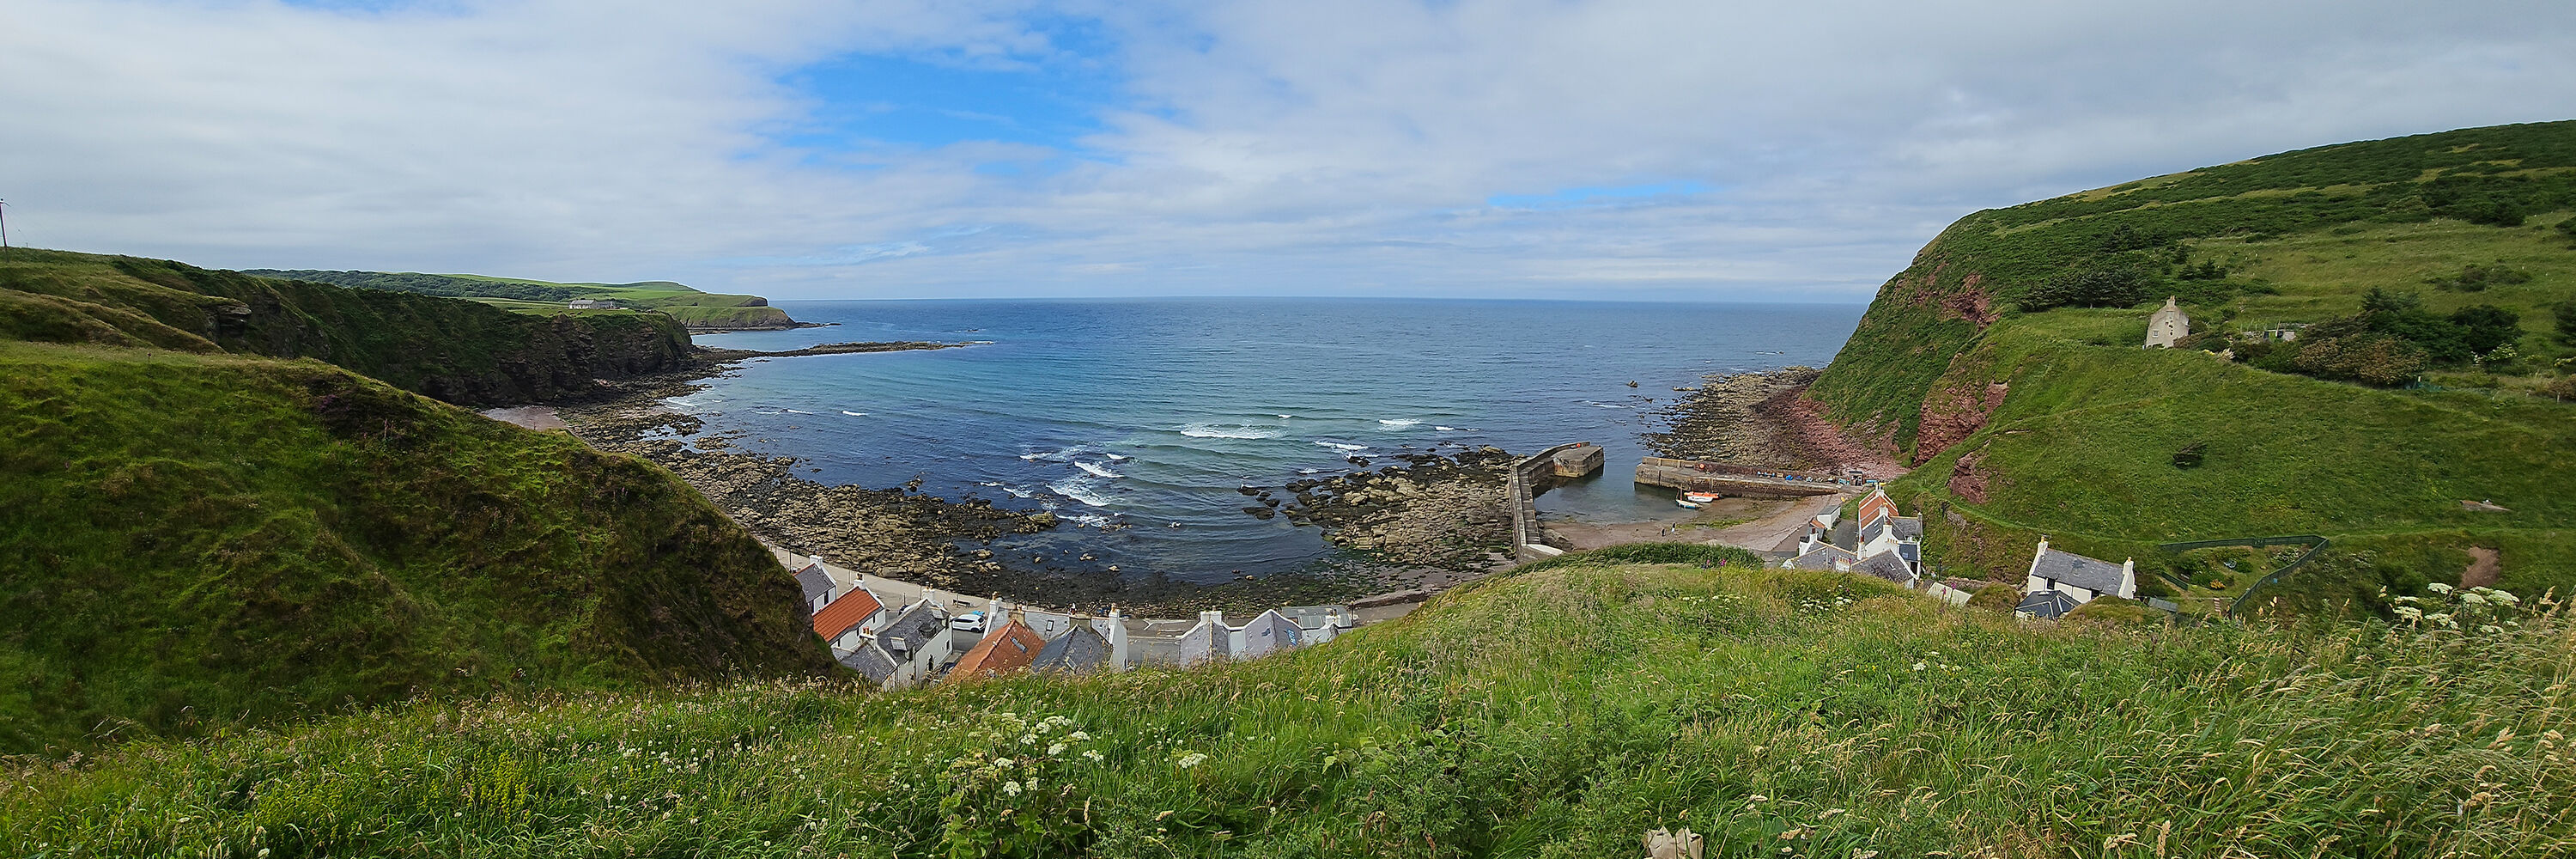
{"type": "Point", "coordinates": [1647, 149]}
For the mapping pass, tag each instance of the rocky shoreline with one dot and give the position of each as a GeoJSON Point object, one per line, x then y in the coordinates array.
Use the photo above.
{"type": "Point", "coordinates": [1447, 513]}
{"type": "Point", "coordinates": [904, 534]}
{"type": "Point", "coordinates": [1763, 420]}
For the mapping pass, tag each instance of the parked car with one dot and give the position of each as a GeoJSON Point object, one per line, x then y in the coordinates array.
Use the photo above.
{"type": "Point", "coordinates": [972, 621]}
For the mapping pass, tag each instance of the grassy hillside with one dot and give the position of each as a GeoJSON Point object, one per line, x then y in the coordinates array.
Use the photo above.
{"type": "Point", "coordinates": [192, 541]}
{"type": "Point", "coordinates": [453, 350]}
{"type": "Point", "coordinates": [692, 308]}
{"type": "Point", "coordinates": [2030, 413]}
{"type": "Point", "coordinates": [1556, 713]}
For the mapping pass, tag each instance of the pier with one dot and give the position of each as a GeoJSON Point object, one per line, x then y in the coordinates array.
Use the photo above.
{"type": "Point", "coordinates": [1536, 474]}
{"type": "Point", "coordinates": [1729, 479]}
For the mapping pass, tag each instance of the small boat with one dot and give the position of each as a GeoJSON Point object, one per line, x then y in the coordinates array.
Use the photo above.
{"type": "Point", "coordinates": [1686, 503]}
{"type": "Point", "coordinates": [1701, 497]}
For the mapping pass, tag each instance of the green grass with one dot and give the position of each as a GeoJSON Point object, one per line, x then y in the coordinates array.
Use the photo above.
{"type": "Point", "coordinates": [1553, 713]}
{"type": "Point", "coordinates": [198, 541]}
{"type": "Point", "coordinates": [2081, 447]}
{"type": "Point", "coordinates": [451, 349]}
{"type": "Point", "coordinates": [690, 307]}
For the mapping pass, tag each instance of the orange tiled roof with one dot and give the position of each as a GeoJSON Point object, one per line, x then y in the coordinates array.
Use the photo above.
{"type": "Point", "coordinates": [1008, 650]}
{"type": "Point", "coordinates": [845, 612]}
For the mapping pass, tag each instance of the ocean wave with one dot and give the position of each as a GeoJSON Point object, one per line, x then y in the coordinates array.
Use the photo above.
{"type": "Point", "coordinates": [1401, 422]}
{"type": "Point", "coordinates": [1118, 457]}
{"type": "Point", "coordinates": [1079, 489]}
{"type": "Point", "coordinates": [1096, 471]}
{"type": "Point", "coordinates": [1229, 431]}
{"type": "Point", "coordinates": [1340, 446]}
{"type": "Point", "coordinates": [798, 412]}
{"type": "Point", "coordinates": [854, 414]}
{"type": "Point", "coordinates": [1095, 520]}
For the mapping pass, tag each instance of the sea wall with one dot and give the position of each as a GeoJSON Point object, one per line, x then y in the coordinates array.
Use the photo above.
{"type": "Point", "coordinates": [1536, 474]}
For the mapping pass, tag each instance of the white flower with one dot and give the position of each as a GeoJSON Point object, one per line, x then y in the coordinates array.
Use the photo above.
{"type": "Point", "coordinates": [2439, 588]}
{"type": "Point", "coordinates": [1011, 787]}
{"type": "Point", "coordinates": [2505, 597]}
{"type": "Point", "coordinates": [2410, 613]}
{"type": "Point", "coordinates": [1078, 736]}
{"type": "Point", "coordinates": [1919, 666]}
{"type": "Point", "coordinates": [2490, 629]}
{"type": "Point", "coordinates": [2443, 619]}
{"type": "Point", "coordinates": [1094, 755]}
{"type": "Point", "coordinates": [1056, 749]}
{"type": "Point", "coordinates": [1002, 762]}
{"type": "Point", "coordinates": [1190, 760]}
{"type": "Point", "coordinates": [1028, 739]}
{"type": "Point", "coordinates": [2472, 598]}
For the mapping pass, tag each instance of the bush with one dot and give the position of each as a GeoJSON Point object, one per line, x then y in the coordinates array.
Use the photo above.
{"type": "Point", "coordinates": [2476, 278]}
{"type": "Point", "coordinates": [2486, 326]}
{"type": "Point", "coordinates": [2566, 315]}
{"type": "Point", "coordinates": [2369, 358]}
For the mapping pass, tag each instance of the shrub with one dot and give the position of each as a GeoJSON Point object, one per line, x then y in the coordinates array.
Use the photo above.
{"type": "Point", "coordinates": [2566, 315]}
{"type": "Point", "coordinates": [2485, 327]}
{"type": "Point", "coordinates": [2476, 278]}
{"type": "Point", "coordinates": [2369, 358]}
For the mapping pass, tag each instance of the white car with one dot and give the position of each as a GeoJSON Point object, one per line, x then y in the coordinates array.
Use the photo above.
{"type": "Point", "coordinates": [972, 621]}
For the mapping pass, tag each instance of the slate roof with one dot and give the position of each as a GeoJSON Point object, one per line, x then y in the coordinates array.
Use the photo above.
{"type": "Point", "coordinates": [1846, 534]}
{"type": "Point", "coordinates": [870, 662]}
{"type": "Point", "coordinates": [846, 613]}
{"type": "Point", "coordinates": [1312, 617]}
{"type": "Point", "coordinates": [1885, 565]}
{"type": "Point", "coordinates": [1908, 527]}
{"type": "Point", "coordinates": [1822, 558]}
{"type": "Point", "coordinates": [2049, 605]}
{"type": "Point", "coordinates": [1007, 650]}
{"type": "Point", "coordinates": [916, 626]}
{"type": "Point", "coordinates": [1080, 650]}
{"type": "Point", "coordinates": [816, 583]}
{"type": "Point", "coordinates": [2092, 574]}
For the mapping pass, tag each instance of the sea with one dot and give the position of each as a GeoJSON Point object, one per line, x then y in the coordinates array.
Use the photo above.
{"type": "Point", "coordinates": [1137, 421]}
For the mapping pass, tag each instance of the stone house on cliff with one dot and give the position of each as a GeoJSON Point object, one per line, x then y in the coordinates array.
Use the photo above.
{"type": "Point", "coordinates": [2059, 581]}
{"type": "Point", "coordinates": [2168, 326]}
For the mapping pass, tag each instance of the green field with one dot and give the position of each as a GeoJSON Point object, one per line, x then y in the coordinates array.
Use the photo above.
{"type": "Point", "coordinates": [691, 307]}
{"type": "Point", "coordinates": [2067, 428]}
{"type": "Point", "coordinates": [1554, 713]}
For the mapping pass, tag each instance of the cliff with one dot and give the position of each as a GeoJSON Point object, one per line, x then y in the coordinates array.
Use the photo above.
{"type": "Point", "coordinates": [2428, 272]}
{"type": "Point", "coordinates": [453, 350]}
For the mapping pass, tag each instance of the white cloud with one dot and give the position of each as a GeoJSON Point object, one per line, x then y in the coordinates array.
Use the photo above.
{"type": "Point", "coordinates": [1305, 147]}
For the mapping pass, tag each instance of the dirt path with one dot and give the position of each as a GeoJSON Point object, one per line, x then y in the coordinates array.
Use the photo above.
{"type": "Point", "coordinates": [2483, 566]}
{"type": "Point", "coordinates": [532, 417]}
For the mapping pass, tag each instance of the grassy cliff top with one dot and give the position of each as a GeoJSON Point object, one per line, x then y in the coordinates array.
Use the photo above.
{"type": "Point", "coordinates": [459, 351]}
{"type": "Point", "coordinates": [692, 307]}
{"type": "Point", "coordinates": [196, 541]}
{"type": "Point", "coordinates": [1558, 712]}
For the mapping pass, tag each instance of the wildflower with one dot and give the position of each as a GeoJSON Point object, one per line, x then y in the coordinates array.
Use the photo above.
{"type": "Point", "coordinates": [2490, 629]}
{"type": "Point", "coordinates": [1011, 787]}
{"type": "Point", "coordinates": [2443, 619]}
{"type": "Point", "coordinates": [1004, 763]}
{"type": "Point", "coordinates": [1190, 760]}
{"type": "Point", "coordinates": [1028, 739]}
{"type": "Point", "coordinates": [2410, 613]}
{"type": "Point", "coordinates": [1094, 755]}
{"type": "Point", "coordinates": [1056, 749]}
{"type": "Point", "coordinates": [2439, 588]}
{"type": "Point", "coordinates": [1078, 736]}
{"type": "Point", "coordinates": [2504, 597]}
{"type": "Point", "coordinates": [2472, 598]}
{"type": "Point", "coordinates": [1919, 666]}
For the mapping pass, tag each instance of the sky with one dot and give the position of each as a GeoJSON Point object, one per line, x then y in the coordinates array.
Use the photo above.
{"type": "Point", "coordinates": [809, 149]}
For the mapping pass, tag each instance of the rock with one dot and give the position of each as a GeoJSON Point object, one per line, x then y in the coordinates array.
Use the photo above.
{"type": "Point", "coordinates": [983, 554]}
{"type": "Point", "coordinates": [1260, 512]}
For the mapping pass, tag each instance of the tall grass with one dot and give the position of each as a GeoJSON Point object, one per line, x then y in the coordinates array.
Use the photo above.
{"type": "Point", "coordinates": [1555, 713]}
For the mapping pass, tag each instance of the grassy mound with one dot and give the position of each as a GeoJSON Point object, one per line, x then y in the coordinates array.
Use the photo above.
{"type": "Point", "coordinates": [2031, 413]}
{"type": "Point", "coordinates": [1553, 713]}
{"type": "Point", "coordinates": [199, 540]}
{"type": "Point", "coordinates": [453, 350]}
{"type": "Point", "coordinates": [692, 308]}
